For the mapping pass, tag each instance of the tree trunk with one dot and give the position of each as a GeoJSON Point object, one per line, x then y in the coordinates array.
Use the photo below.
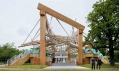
{"type": "Point", "coordinates": [111, 52]}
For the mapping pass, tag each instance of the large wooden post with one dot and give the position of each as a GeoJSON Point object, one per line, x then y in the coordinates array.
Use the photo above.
{"type": "Point", "coordinates": [68, 56]}
{"type": "Point", "coordinates": [42, 38]}
{"type": "Point", "coordinates": [80, 49]}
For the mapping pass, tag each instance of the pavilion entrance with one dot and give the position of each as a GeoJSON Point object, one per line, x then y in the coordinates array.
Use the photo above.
{"type": "Point", "coordinates": [64, 55]}
{"type": "Point", "coordinates": [61, 57]}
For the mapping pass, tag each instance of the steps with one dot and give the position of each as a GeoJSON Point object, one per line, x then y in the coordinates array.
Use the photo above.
{"type": "Point", "coordinates": [104, 61]}
{"type": "Point", "coordinates": [20, 61]}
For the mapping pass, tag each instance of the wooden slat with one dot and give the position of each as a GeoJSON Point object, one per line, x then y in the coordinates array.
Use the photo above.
{"type": "Point", "coordinates": [30, 43]}
{"type": "Point", "coordinates": [61, 40]}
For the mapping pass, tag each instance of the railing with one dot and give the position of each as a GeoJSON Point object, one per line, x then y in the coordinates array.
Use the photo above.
{"type": "Point", "coordinates": [91, 50]}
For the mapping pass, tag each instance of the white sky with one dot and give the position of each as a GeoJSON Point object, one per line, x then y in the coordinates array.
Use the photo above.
{"type": "Point", "coordinates": [17, 17]}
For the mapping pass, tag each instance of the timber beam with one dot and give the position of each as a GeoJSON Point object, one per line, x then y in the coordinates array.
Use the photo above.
{"type": "Point", "coordinates": [60, 16]}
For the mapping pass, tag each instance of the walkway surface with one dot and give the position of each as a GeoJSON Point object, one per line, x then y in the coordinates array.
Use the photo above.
{"type": "Point", "coordinates": [64, 66]}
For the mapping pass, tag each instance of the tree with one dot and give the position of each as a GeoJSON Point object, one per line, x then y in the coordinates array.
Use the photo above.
{"type": "Point", "coordinates": [116, 56]}
{"type": "Point", "coordinates": [104, 26]}
{"type": "Point", "coordinates": [7, 51]}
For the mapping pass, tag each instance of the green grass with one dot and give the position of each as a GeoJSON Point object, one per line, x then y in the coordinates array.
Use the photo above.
{"type": "Point", "coordinates": [102, 66]}
{"type": "Point", "coordinates": [1, 63]}
{"type": "Point", "coordinates": [58, 70]}
{"type": "Point", "coordinates": [26, 66]}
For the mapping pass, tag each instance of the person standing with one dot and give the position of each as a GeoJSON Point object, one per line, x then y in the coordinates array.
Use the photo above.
{"type": "Point", "coordinates": [99, 62]}
{"type": "Point", "coordinates": [93, 63]}
{"type": "Point", "coordinates": [53, 60]}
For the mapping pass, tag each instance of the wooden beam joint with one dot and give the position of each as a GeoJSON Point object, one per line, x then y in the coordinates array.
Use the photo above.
{"type": "Point", "coordinates": [42, 13]}
{"type": "Point", "coordinates": [80, 31]}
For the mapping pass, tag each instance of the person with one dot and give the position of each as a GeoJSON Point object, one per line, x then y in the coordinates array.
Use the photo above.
{"type": "Point", "coordinates": [99, 62]}
{"type": "Point", "coordinates": [93, 63]}
{"type": "Point", "coordinates": [53, 60]}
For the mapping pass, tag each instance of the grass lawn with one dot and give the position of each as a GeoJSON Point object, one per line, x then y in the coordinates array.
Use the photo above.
{"type": "Point", "coordinates": [102, 66]}
{"type": "Point", "coordinates": [25, 66]}
{"type": "Point", "coordinates": [59, 70]}
{"type": "Point", "coordinates": [1, 63]}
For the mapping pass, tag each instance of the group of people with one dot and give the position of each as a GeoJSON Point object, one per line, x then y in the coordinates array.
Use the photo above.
{"type": "Point", "coordinates": [96, 63]}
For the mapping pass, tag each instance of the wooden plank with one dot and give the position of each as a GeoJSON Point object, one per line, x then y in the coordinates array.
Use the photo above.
{"type": "Point", "coordinates": [60, 16]}
{"type": "Point", "coordinates": [61, 40]}
{"type": "Point", "coordinates": [35, 42]}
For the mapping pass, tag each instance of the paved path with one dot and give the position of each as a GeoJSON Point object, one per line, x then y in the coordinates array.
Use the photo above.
{"type": "Point", "coordinates": [3, 65]}
{"type": "Point", "coordinates": [65, 66]}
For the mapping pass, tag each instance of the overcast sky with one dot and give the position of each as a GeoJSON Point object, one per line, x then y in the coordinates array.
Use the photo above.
{"type": "Point", "coordinates": [17, 17]}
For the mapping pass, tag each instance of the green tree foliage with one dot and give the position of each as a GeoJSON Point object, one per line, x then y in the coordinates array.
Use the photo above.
{"type": "Point", "coordinates": [7, 51]}
{"type": "Point", "coordinates": [104, 26]}
{"type": "Point", "coordinates": [116, 56]}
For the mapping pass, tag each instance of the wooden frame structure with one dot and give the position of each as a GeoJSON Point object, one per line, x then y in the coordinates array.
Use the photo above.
{"type": "Point", "coordinates": [44, 24]}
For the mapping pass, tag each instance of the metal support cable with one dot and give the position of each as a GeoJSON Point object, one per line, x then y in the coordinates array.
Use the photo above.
{"type": "Point", "coordinates": [31, 31]}
{"type": "Point", "coordinates": [84, 34]}
{"type": "Point", "coordinates": [50, 21]}
{"type": "Point", "coordinates": [36, 34]}
{"type": "Point", "coordinates": [64, 29]}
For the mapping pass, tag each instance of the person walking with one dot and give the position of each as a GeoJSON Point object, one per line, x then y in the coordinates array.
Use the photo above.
{"type": "Point", "coordinates": [93, 63]}
{"type": "Point", "coordinates": [99, 62]}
